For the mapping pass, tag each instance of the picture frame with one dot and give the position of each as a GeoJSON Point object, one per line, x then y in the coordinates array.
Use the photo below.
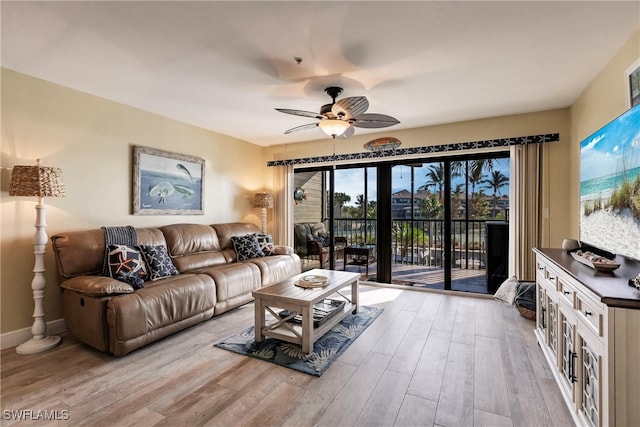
{"type": "Point", "coordinates": [632, 84]}
{"type": "Point", "coordinates": [166, 183]}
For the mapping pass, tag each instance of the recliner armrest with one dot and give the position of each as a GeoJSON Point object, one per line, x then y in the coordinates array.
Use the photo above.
{"type": "Point", "coordinates": [283, 250]}
{"type": "Point", "coordinates": [97, 286]}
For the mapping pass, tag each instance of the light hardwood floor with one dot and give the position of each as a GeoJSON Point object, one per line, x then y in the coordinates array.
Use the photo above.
{"type": "Point", "coordinates": [429, 359]}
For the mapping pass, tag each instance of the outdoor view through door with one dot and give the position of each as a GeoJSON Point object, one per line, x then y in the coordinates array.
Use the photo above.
{"type": "Point", "coordinates": [448, 224]}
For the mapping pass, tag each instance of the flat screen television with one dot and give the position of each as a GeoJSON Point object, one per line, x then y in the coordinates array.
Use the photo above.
{"type": "Point", "coordinates": [610, 186]}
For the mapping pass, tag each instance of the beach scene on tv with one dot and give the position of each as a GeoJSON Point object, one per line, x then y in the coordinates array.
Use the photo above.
{"type": "Point", "coordinates": [610, 186]}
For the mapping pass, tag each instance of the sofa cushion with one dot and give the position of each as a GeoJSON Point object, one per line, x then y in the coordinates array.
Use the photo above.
{"type": "Point", "coordinates": [159, 262]}
{"type": "Point", "coordinates": [234, 283]}
{"type": "Point", "coordinates": [274, 269]}
{"type": "Point", "coordinates": [82, 252]}
{"type": "Point", "coordinates": [247, 247]}
{"type": "Point", "coordinates": [317, 229]}
{"type": "Point", "coordinates": [186, 239]}
{"type": "Point", "coordinates": [79, 253]}
{"type": "Point", "coordinates": [193, 246]}
{"type": "Point", "coordinates": [127, 264]}
{"type": "Point", "coordinates": [159, 305]}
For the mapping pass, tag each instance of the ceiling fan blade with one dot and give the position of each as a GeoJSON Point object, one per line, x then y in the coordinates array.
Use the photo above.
{"type": "Point", "coordinates": [301, 128]}
{"type": "Point", "coordinates": [347, 133]}
{"type": "Point", "coordinates": [374, 121]}
{"type": "Point", "coordinates": [300, 113]}
{"type": "Point", "coordinates": [348, 108]}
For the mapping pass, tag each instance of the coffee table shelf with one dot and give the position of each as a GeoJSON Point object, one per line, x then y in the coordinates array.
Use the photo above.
{"type": "Point", "coordinates": [286, 295]}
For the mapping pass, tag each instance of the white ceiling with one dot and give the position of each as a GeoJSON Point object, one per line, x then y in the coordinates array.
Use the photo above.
{"type": "Point", "coordinates": [224, 66]}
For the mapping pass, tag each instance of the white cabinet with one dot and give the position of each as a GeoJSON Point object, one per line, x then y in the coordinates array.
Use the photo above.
{"type": "Point", "coordinates": [592, 347]}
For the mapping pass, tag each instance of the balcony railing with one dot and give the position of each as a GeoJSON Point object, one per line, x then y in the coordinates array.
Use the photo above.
{"type": "Point", "coordinates": [420, 241]}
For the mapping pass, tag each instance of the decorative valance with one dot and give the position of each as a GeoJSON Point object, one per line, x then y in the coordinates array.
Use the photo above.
{"type": "Point", "coordinates": [459, 146]}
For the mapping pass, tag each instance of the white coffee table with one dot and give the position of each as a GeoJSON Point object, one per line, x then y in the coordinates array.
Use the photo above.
{"type": "Point", "coordinates": [288, 296]}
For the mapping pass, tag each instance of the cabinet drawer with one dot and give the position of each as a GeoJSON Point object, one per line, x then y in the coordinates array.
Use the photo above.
{"type": "Point", "coordinates": [541, 274]}
{"type": "Point", "coordinates": [567, 292]}
{"type": "Point", "coordinates": [593, 314]}
{"type": "Point", "coordinates": [546, 275]}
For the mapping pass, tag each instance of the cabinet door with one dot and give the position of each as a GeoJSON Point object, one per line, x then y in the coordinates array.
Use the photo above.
{"type": "Point", "coordinates": [590, 399]}
{"type": "Point", "coordinates": [541, 309]}
{"type": "Point", "coordinates": [552, 326]}
{"type": "Point", "coordinates": [568, 363]}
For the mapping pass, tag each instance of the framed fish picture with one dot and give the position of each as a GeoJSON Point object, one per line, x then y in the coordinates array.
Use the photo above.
{"type": "Point", "coordinates": [166, 183]}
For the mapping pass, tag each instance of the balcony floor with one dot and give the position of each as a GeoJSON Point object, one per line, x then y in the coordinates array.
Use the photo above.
{"type": "Point", "coordinates": [420, 276]}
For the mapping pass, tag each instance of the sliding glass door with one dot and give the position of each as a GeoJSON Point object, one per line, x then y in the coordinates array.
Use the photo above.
{"type": "Point", "coordinates": [418, 215]}
{"type": "Point", "coordinates": [424, 222]}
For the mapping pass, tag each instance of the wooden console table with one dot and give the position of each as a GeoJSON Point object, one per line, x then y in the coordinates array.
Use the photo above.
{"type": "Point", "coordinates": [588, 327]}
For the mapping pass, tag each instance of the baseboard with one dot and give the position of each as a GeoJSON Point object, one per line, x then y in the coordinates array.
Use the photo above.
{"type": "Point", "coordinates": [15, 338]}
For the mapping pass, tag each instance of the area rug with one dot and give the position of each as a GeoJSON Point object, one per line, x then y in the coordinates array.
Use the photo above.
{"type": "Point", "coordinates": [325, 350]}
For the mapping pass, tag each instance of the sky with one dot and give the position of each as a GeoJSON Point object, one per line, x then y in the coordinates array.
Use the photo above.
{"type": "Point", "coordinates": [612, 149]}
{"type": "Point", "coordinates": [351, 181]}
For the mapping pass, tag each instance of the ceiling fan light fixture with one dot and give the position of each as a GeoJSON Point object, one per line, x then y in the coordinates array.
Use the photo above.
{"type": "Point", "coordinates": [333, 127]}
{"type": "Point", "coordinates": [340, 118]}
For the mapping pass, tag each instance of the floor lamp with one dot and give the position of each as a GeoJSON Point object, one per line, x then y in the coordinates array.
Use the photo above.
{"type": "Point", "coordinates": [41, 182]}
{"type": "Point", "coordinates": [263, 201]}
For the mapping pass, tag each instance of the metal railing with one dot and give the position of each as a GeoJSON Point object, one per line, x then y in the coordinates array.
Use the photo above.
{"type": "Point", "coordinates": [420, 241]}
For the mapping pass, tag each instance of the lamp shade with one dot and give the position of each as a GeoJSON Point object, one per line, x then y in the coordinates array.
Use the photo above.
{"type": "Point", "coordinates": [36, 180]}
{"type": "Point", "coordinates": [333, 127]}
{"type": "Point", "coordinates": [263, 200]}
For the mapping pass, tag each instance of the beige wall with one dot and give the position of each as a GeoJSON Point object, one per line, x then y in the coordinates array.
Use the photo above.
{"type": "Point", "coordinates": [603, 100]}
{"type": "Point", "coordinates": [90, 139]}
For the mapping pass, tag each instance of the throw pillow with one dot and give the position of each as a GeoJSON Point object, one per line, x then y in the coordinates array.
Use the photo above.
{"type": "Point", "coordinates": [266, 244]}
{"type": "Point", "coordinates": [126, 264]}
{"type": "Point", "coordinates": [323, 239]}
{"type": "Point", "coordinates": [247, 247]}
{"type": "Point", "coordinates": [507, 290]}
{"type": "Point", "coordinates": [159, 262]}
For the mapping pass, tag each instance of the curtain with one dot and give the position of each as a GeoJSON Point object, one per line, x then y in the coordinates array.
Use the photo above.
{"type": "Point", "coordinates": [526, 208]}
{"type": "Point", "coordinates": [283, 205]}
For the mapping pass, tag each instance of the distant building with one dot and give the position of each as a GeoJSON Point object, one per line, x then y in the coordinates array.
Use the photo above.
{"type": "Point", "coordinates": [401, 204]}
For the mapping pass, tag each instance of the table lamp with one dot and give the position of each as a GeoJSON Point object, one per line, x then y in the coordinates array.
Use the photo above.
{"type": "Point", "coordinates": [263, 201]}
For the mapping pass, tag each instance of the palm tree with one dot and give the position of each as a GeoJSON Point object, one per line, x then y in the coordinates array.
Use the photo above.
{"type": "Point", "coordinates": [372, 209]}
{"type": "Point", "coordinates": [435, 178]}
{"type": "Point", "coordinates": [496, 181]}
{"type": "Point", "coordinates": [478, 166]}
{"type": "Point", "coordinates": [475, 177]}
{"type": "Point", "coordinates": [457, 168]}
{"type": "Point", "coordinates": [456, 200]}
{"type": "Point", "coordinates": [360, 204]}
{"type": "Point", "coordinates": [340, 199]}
{"type": "Point", "coordinates": [430, 207]}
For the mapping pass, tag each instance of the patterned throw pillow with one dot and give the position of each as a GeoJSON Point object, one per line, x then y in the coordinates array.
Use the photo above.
{"type": "Point", "coordinates": [159, 262]}
{"type": "Point", "coordinates": [127, 265]}
{"type": "Point", "coordinates": [323, 239]}
{"type": "Point", "coordinates": [266, 244]}
{"type": "Point", "coordinates": [247, 246]}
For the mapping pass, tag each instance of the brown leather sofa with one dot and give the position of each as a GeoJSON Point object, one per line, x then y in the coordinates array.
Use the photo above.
{"type": "Point", "coordinates": [109, 315]}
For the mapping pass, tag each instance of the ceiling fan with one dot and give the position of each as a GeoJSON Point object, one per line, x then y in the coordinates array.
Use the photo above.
{"type": "Point", "coordinates": [339, 118]}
